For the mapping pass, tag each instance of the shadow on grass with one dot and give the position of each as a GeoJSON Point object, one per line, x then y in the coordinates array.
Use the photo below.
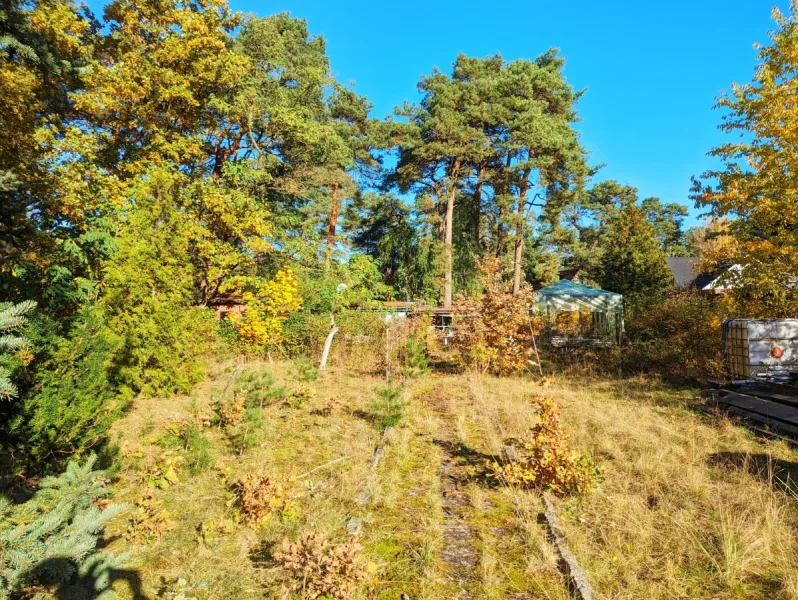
{"type": "Point", "coordinates": [91, 585]}
{"type": "Point", "coordinates": [262, 555]}
{"type": "Point", "coordinates": [781, 474]}
{"type": "Point", "coordinates": [368, 417]}
{"type": "Point", "coordinates": [445, 366]}
{"type": "Point", "coordinates": [471, 463]}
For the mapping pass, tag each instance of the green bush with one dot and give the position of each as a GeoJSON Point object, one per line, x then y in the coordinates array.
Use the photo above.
{"type": "Point", "coordinates": [163, 347]}
{"type": "Point", "coordinates": [304, 334]}
{"type": "Point", "coordinates": [149, 291]}
{"type": "Point", "coordinates": [678, 338]}
{"type": "Point", "coordinates": [73, 399]}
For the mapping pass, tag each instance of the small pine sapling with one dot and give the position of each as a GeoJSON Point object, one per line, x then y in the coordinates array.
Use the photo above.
{"type": "Point", "coordinates": [389, 408]}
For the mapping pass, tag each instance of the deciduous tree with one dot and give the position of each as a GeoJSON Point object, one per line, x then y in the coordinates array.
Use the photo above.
{"type": "Point", "coordinates": [756, 187]}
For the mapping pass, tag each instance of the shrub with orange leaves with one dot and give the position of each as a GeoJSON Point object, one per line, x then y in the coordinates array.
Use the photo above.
{"type": "Point", "coordinates": [680, 337]}
{"type": "Point", "coordinates": [494, 333]}
{"type": "Point", "coordinates": [259, 497]}
{"type": "Point", "coordinates": [544, 459]}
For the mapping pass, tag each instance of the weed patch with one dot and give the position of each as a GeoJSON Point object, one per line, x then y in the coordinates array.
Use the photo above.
{"type": "Point", "coordinates": [314, 567]}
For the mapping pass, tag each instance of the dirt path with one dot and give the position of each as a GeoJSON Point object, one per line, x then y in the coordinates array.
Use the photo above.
{"type": "Point", "coordinates": [442, 528]}
{"type": "Point", "coordinates": [485, 548]}
{"type": "Point", "coordinates": [459, 553]}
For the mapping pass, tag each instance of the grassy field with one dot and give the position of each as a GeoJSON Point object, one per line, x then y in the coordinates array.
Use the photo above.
{"type": "Point", "coordinates": [690, 505]}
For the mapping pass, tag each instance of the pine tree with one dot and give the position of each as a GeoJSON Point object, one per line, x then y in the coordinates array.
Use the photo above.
{"type": "Point", "coordinates": [438, 144]}
{"type": "Point", "coordinates": [12, 317]}
{"type": "Point", "coordinates": [52, 538]}
{"type": "Point", "coordinates": [632, 262]}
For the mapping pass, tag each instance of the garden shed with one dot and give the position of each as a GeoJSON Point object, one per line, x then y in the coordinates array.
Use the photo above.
{"type": "Point", "coordinates": [578, 315]}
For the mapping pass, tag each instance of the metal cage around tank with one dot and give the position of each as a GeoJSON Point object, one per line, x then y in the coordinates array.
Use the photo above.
{"type": "Point", "coordinates": [760, 348]}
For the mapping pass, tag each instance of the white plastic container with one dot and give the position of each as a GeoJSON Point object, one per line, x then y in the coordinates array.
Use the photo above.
{"type": "Point", "coordinates": [760, 347]}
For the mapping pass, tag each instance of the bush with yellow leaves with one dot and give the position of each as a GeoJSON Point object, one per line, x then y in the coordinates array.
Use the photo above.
{"type": "Point", "coordinates": [268, 306]}
{"type": "Point", "coordinates": [545, 459]}
{"type": "Point", "coordinates": [314, 567]}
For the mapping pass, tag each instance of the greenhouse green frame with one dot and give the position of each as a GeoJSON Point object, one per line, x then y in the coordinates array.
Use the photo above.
{"type": "Point", "coordinates": [570, 296]}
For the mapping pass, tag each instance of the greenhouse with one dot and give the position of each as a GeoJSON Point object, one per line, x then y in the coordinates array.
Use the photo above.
{"type": "Point", "coordinates": [578, 315]}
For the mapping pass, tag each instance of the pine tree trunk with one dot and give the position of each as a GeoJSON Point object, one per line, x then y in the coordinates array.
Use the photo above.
{"type": "Point", "coordinates": [331, 225]}
{"type": "Point", "coordinates": [449, 254]}
{"type": "Point", "coordinates": [500, 234]}
{"type": "Point", "coordinates": [519, 241]}
{"type": "Point", "coordinates": [478, 205]}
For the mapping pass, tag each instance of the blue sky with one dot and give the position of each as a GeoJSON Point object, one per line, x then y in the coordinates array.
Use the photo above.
{"type": "Point", "coordinates": [652, 70]}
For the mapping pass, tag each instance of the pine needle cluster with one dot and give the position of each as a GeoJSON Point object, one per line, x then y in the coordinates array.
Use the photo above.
{"type": "Point", "coordinates": [12, 317]}
{"type": "Point", "coordinates": [52, 538]}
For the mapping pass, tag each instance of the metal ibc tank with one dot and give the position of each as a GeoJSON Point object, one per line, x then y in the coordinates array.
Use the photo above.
{"type": "Point", "coordinates": [761, 348]}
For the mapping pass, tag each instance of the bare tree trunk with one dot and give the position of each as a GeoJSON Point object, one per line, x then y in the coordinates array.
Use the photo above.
{"type": "Point", "coordinates": [519, 240]}
{"type": "Point", "coordinates": [500, 225]}
{"type": "Point", "coordinates": [331, 225]}
{"type": "Point", "coordinates": [325, 353]}
{"type": "Point", "coordinates": [449, 255]}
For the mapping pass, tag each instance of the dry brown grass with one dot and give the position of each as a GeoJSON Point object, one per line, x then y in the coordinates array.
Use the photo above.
{"type": "Point", "coordinates": [295, 441]}
{"type": "Point", "coordinates": [691, 506]}
{"type": "Point", "coordinates": [687, 508]}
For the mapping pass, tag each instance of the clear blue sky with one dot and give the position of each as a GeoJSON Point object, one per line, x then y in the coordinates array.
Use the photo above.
{"type": "Point", "coordinates": [652, 70]}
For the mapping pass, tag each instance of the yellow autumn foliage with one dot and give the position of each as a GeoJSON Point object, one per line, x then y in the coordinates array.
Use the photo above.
{"type": "Point", "coordinates": [756, 189]}
{"type": "Point", "coordinates": [268, 306]}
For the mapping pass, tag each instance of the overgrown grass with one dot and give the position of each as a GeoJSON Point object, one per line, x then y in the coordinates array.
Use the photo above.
{"type": "Point", "coordinates": [690, 505]}
{"type": "Point", "coordinates": [680, 513]}
{"type": "Point", "coordinates": [201, 505]}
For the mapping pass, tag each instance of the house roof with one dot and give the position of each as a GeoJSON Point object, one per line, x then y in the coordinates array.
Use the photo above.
{"type": "Point", "coordinates": [687, 274]}
{"type": "Point", "coordinates": [684, 270]}
{"type": "Point", "coordinates": [397, 305]}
